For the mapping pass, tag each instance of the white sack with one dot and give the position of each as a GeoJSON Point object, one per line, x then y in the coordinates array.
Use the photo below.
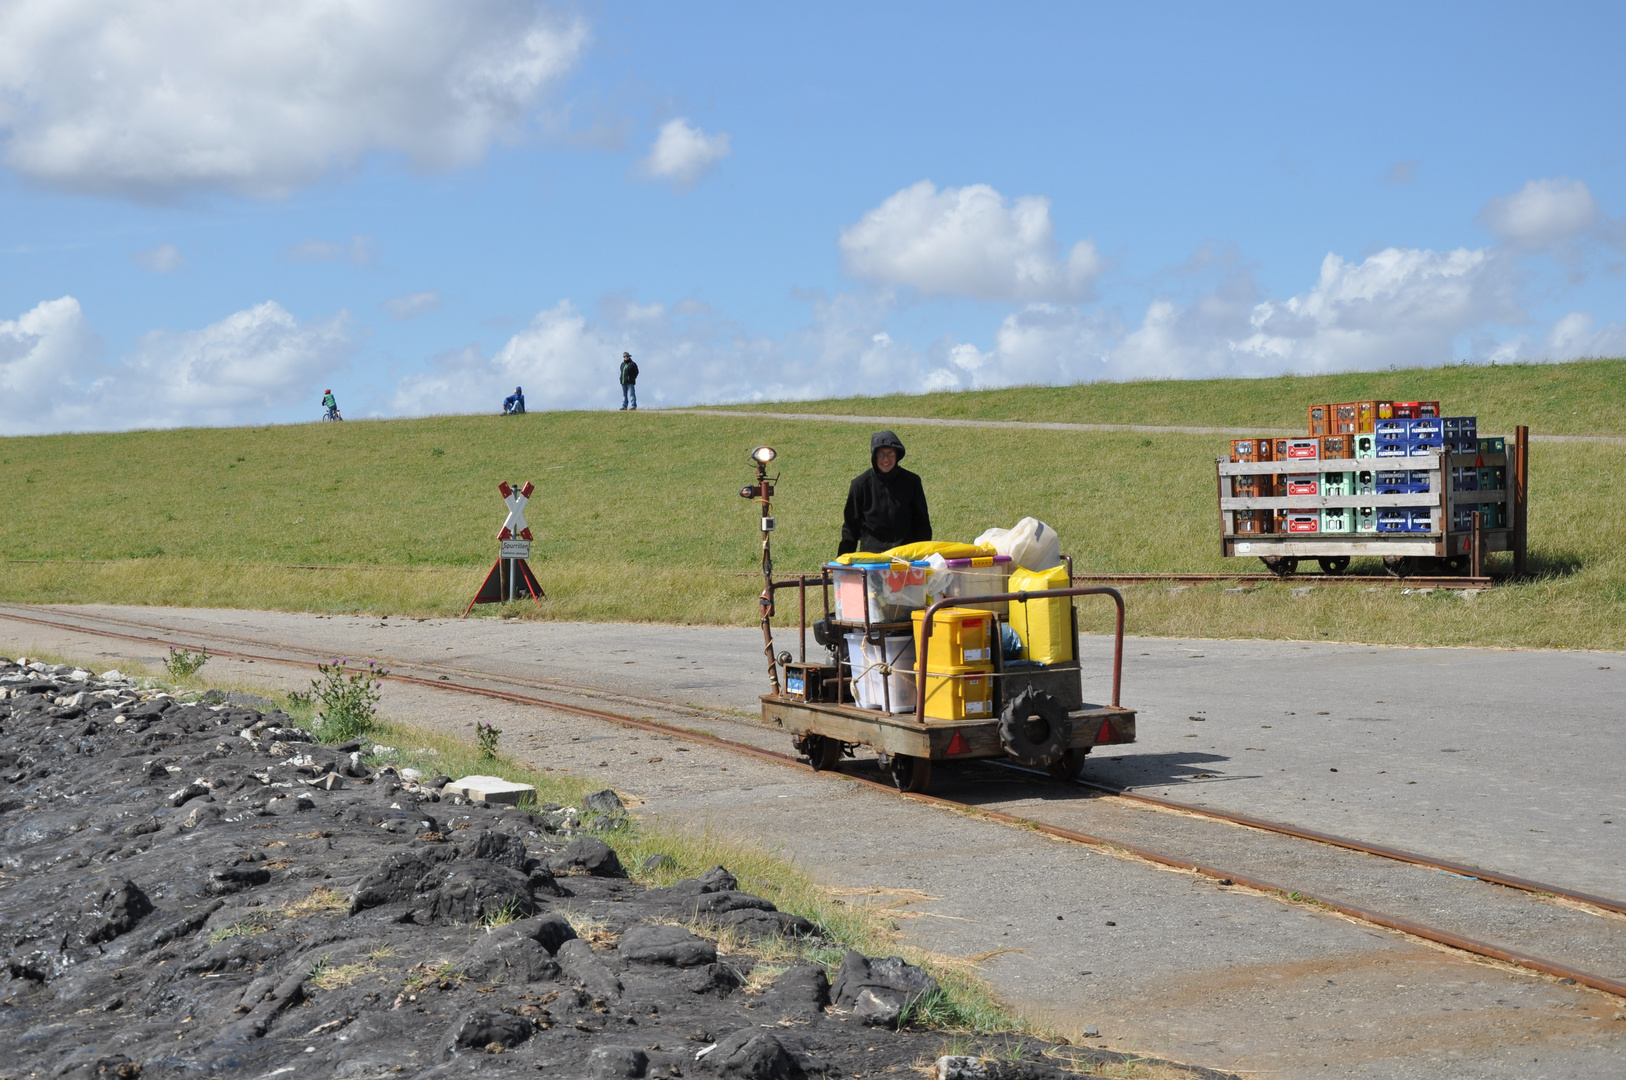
{"type": "Point", "coordinates": [1031, 544]}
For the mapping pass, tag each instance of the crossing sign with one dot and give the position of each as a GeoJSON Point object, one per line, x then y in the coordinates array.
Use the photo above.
{"type": "Point", "coordinates": [516, 498]}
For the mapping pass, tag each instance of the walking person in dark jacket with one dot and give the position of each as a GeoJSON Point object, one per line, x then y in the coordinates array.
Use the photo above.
{"type": "Point", "coordinates": [886, 506]}
{"type": "Point", "coordinates": [629, 381]}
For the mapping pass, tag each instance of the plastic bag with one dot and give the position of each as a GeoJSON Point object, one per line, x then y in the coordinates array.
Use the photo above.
{"type": "Point", "coordinates": [1031, 544]}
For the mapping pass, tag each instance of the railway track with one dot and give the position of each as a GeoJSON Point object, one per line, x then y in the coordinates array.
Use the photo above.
{"type": "Point", "coordinates": [444, 682]}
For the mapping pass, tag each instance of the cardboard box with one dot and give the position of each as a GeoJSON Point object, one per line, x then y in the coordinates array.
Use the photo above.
{"type": "Point", "coordinates": [1303, 484]}
{"type": "Point", "coordinates": [1320, 420]}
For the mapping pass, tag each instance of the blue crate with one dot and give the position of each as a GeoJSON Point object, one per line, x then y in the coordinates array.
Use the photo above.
{"type": "Point", "coordinates": [1423, 447]}
{"type": "Point", "coordinates": [1421, 519]}
{"type": "Point", "coordinates": [1394, 519]}
{"type": "Point", "coordinates": [1426, 428]}
{"type": "Point", "coordinates": [1459, 425]}
{"type": "Point", "coordinates": [1391, 430]}
{"type": "Point", "coordinates": [1464, 478]}
{"type": "Point", "coordinates": [1391, 450]}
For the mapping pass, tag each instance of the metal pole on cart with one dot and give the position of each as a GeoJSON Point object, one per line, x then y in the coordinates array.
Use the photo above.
{"type": "Point", "coordinates": [762, 491]}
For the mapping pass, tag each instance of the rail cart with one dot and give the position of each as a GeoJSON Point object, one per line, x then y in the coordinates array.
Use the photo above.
{"type": "Point", "coordinates": [813, 700]}
{"type": "Point", "coordinates": [1456, 540]}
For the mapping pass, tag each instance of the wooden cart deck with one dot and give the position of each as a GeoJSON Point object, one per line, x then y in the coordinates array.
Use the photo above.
{"type": "Point", "coordinates": [899, 733]}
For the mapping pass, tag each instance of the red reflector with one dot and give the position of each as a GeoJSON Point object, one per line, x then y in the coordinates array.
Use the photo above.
{"type": "Point", "coordinates": [1106, 734]}
{"type": "Point", "coordinates": [958, 745]}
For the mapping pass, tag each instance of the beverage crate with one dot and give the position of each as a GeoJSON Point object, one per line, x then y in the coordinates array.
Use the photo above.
{"type": "Point", "coordinates": [1299, 521]}
{"type": "Point", "coordinates": [1366, 482]}
{"type": "Point", "coordinates": [1338, 519]}
{"type": "Point", "coordinates": [1298, 450]}
{"type": "Point", "coordinates": [1252, 522]}
{"type": "Point", "coordinates": [1304, 484]}
{"type": "Point", "coordinates": [1337, 483]}
{"type": "Point", "coordinates": [1401, 482]}
{"type": "Point", "coordinates": [1346, 419]}
{"type": "Point", "coordinates": [1337, 446]}
{"type": "Point", "coordinates": [1492, 478]}
{"type": "Point", "coordinates": [1495, 444]}
{"type": "Point", "coordinates": [1366, 445]}
{"type": "Point", "coordinates": [1392, 430]}
{"type": "Point", "coordinates": [1396, 449]}
{"type": "Point", "coordinates": [1366, 519]}
{"type": "Point", "coordinates": [1464, 478]}
{"type": "Point", "coordinates": [1320, 420]}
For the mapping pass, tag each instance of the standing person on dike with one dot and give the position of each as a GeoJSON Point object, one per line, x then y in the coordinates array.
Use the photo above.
{"type": "Point", "coordinates": [886, 506]}
{"type": "Point", "coordinates": [629, 381]}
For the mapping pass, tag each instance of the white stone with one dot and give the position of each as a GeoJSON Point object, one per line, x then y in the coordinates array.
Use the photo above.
{"type": "Point", "coordinates": [113, 676]}
{"type": "Point", "coordinates": [491, 789]}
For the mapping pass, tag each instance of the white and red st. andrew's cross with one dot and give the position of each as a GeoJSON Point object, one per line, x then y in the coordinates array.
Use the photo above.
{"type": "Point", "coordinates": [515, 528]}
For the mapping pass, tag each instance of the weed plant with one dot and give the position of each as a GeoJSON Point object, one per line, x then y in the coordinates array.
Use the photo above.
{"type": "Point", "coordinates": [348, 701]}
{"type": "Point", "coordinates": [182, 665]}
{"type": "Point", "coordinates": [485, 737]}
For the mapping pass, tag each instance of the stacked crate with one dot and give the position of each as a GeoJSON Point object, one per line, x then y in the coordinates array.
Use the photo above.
{"type": "Point", "coordinates": [1259, 486]}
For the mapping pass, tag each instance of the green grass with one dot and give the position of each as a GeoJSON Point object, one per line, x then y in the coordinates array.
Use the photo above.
{"type": "Point", "coordinates": [638, 516]}
{"type": "Point", "coordinates": [1579, 398]}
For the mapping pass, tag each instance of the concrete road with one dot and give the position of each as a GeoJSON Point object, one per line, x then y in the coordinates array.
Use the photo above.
{"type": "Point", "coordinates": [1190, 969]}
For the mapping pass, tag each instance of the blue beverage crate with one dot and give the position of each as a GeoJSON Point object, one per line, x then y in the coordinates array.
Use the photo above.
{"type": "Point", "coordinates": [1391, 430]}
{"type": "Point", "coordinates": [1427, 428]}
{"type": "Point", "coordinates": [1462, 517]}
{"type": "Point", "coordinates": [1421, 519]}
{"type": "Point", "coordinates": [1394, 519]}
{"type": "Point", "coordinates": [1392, 483]}
{"type": "Point", "coordinates": [1464, 478]}
{"type": "Point", "coordinates": [1459, 426]}
{"type": "Point", "coordinates": [1424, 446]}
{"type": "Point", "coordinates": [1391, 449]}
{"type": "Point", "coordinates": [1419, 477]}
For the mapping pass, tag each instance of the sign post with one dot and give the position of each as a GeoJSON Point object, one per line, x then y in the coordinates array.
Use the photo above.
{"type": "Point", "coordinates": [511, 576]}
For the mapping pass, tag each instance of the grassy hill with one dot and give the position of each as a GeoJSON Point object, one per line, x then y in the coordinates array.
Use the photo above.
{"type": "Point", "coordinates": [639, 518]}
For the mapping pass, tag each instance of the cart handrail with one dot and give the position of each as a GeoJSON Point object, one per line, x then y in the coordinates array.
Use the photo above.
{"type": "Point", "coordinates": [923, 647]}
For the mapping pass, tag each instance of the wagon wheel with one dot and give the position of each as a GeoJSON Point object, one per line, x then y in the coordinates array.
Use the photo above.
{"type": "Point", "coordinates": [911, 773]}
{"type": "Point", "coordinates": [1280, 565]}
{"type": "Point", "coordinates": [1457, 564]}
{"type": "Point", "coordinates": [824, 753]}
{"type": "Point", "coordinates": [1400, 566]}
{"type": "Point", "coordinates": [1333, 564]}
{"type": "Point", "coordinates": [1070, 765]}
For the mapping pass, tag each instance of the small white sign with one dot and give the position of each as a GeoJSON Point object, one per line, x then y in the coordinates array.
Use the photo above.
{"type": "Point", "coordinates": [1244, 547]}
{"type": "Point", "coordinates": [515, 549]}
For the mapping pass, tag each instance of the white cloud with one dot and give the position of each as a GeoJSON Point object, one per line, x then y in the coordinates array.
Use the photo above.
{"type": "Point", "coordinates": [1577, 335]}
{"type": "Point", "coordinates": [682, 153]}
{"type": "Point", "coordinates": [968, 241]}
{"type": "Point", "coordinates": [48, 368]}
{"type": "Point", "coordinates": [411, 305]}
{"type": "Point", "coordinates": [241, 369]}
{"type": "Point", "coordinates": [1542, 213]}
{"type": "Point", "coordinates": [251, 366]}
{"type": "Point", "coordinates": [161, 259]}
{"type": "Point", "coordinates": [358, 251]}
{"type": "Point", "coordinates": [147, 100]}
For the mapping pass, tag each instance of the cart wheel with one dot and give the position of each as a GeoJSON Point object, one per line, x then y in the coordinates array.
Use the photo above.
{"type": "Point", "coordinates": [911, 773]}
{"type": "Point", "coordinates": [1400, 566]}
{"type": "Point", "coordinates": [1333, 564]}
{"type": "Point", "coordinates": [1280, 565]}
{"type": "Point", "coordinates": [824, 753]}
{"type": "Point", "coordinates": [1070, 765]}
{"type": "Point", "coordinates": [1457, 564]}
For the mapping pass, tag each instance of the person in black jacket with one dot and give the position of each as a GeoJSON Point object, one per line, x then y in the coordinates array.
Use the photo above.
{"type": "Point", "coordinates": [886, 506]}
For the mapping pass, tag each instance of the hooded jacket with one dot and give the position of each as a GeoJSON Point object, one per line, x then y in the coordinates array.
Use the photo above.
{"type": "Point", "coordinates": [884, 509]}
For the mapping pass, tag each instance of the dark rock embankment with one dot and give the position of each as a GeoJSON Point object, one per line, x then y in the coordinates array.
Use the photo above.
{"type": "Point", "coordinates": [200, 888]}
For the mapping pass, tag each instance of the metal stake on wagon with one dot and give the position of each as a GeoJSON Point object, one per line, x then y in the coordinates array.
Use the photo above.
{"type": "Point", "coordinates": [511, 573]}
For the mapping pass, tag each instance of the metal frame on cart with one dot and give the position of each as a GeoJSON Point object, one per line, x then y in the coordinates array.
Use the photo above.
{"type": "Point", "coordinates": [911, 735]}
{"type": "Point", "coordinates": [1442, 541]}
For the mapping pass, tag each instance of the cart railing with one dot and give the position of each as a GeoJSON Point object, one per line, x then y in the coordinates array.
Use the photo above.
{"type": "Point", "coordinates": [923, 646]}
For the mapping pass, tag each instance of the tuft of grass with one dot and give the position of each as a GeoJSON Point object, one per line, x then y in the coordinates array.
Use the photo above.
{"type": "Point", "coordinates": [326, 976]}
{"type": "Point", "coordinates": [502, 916]}
{"type": "Point", "coordinates": [320, 901]}
{"type": "Point", "coordinates": [254, 924]}
{"type": "Point", "coordinates": [182, 665]}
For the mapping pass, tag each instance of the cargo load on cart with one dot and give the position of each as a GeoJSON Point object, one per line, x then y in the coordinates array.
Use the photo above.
{"type": "Point", "coordinates": [937, 652]}
{"type": "Point", "coordinates": [1396, 479]}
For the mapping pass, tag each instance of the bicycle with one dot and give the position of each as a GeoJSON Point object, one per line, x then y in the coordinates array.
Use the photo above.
{"type": "Point", "coordinates": [332, 413]}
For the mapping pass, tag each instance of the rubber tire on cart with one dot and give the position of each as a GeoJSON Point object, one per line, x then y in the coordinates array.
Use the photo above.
{"type": "Point", "coordinates": [1333, 564]}
{"type": "Point", "coordinates": [911, 773]}
{"type": "Point", "coordinates": [1070, 764]}
{"type": "Point", "coordinates": [1400, 566]}
{"type": "Point", "coordinates": [1034, 729]}
{"type": "Point", "coordinates": [821, 751]}
{"type": "Point", "coordinates": [1280, 565]}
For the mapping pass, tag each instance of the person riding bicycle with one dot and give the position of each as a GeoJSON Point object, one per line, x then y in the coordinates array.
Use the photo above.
{"type": "Point", "coordinates": [514, 403]}
{"type": "Point", "coordinates": [331, 404]}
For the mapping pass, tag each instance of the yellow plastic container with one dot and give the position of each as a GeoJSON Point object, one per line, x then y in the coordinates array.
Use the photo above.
{"type": "Point", "coordinates": [1045, 626]}
{"type": "Point", "coordinates": [960, 636]}
{"type": "Point", "coordinates": [965, 693]}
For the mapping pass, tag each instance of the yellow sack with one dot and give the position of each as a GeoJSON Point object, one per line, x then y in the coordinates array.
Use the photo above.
{"type": "Point", "coordinates": [1045, 626]}
{"type": "Point", "coordinates": [917, 551]}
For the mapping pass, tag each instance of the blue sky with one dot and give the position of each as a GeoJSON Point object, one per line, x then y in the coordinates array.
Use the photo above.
{"type": "Point", "coordinates": [209, 213]}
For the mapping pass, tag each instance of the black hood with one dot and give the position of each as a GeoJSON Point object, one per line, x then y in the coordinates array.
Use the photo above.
{"type": "Point", "coordinates": [880, 441]}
